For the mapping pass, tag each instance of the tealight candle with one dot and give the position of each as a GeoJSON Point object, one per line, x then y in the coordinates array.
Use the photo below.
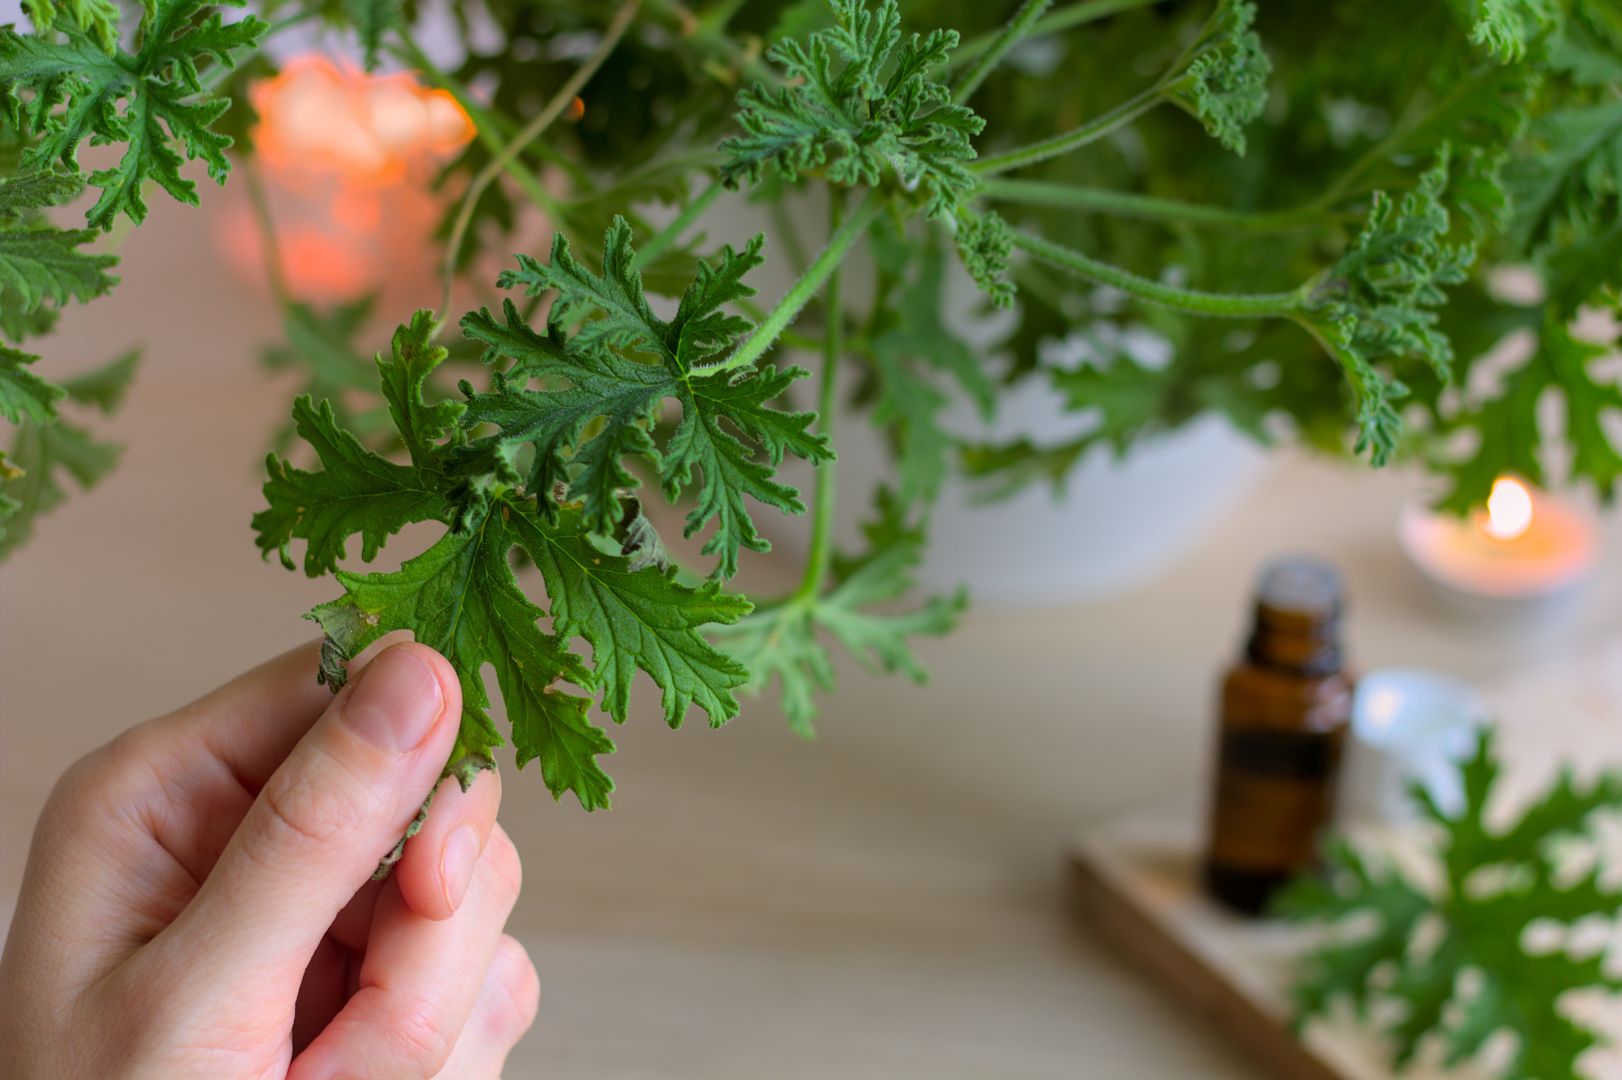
{"type": "Point", "coordinates": [1526, 545]}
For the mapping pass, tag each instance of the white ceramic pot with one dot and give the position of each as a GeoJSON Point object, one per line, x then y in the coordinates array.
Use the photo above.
{"type": "Point", "coordinates": [1119, 522]}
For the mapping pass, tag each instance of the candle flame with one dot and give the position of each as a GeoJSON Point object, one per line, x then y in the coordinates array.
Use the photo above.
{"type": "Point", "coordinates": [1509, 509]}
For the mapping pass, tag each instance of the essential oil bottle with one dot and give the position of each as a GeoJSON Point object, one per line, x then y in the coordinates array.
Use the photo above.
{"type": "Point", "coordinates": [1285, 709]}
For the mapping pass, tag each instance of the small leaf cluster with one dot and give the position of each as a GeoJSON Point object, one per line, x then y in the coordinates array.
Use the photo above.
{"type": "Point", "coordinates": [67, 83]}
{"type": "Point", "coordinates": [785, 644]}
{"type": "Point", "coordinates": [1223, 82]}
{"type": "Point", "coordinates": [620, 367]}
{"type": "Point", "coordinates": [859, 103]}
{"type": "Point", "coordinates": [540, 464]}
{"type": "Point", "coordinates": [1378, 302]}
{"type": "Point", "coordinates": [1456, 959]}
{"type": "Point", "coordinates": [65, 88]}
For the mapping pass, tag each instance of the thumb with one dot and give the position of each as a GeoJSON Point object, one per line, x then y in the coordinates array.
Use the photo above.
{"type": "Point", "coordinates": [317, 829]}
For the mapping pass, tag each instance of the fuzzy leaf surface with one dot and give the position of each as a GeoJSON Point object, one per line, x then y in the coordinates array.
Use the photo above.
{"type": "Point", "coordinates": [858, 102]}
{"type": "Point", "coordinates": [460, 598]}
{"type": "Point", "coordinates": [617, 370]}
{"type": "Point", "coordinates": [63, 87]}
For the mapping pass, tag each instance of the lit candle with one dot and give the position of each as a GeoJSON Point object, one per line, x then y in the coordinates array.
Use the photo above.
{"type": "Point", "coordinates": [349, 161]}
{"type": "Point", "coordinates": [1525, 545]}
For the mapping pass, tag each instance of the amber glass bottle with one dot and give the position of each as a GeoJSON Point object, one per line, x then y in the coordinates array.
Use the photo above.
{"type": "Point", "coordinates": [1285, 709]}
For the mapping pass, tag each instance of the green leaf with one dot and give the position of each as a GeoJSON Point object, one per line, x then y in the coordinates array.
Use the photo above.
{"type": "Point", "coordinates": [1585, 270]}
{"type": "Point", "coordinates": [104, 388]}
{"type": "Point", "coordinates": [37, 190]}
{"type": "Point", "coordinates": [63, 87]}
{"type": "Point", "coordinates": [729, 470]}
{"type": "Point", "coordinates": [620, 315]}
{"type": "Point", "coordinates": [1506, 28]}
{"type": "Point", "coordinates": [984, 245]}
{"type": "Point", "coordinates": [43, 457]}
{"type": "Point", "coordinates": [881, 110]}
{"type": "Point", "coordinates": [40, 263]}
{"type": "Point", "coordinates": [97, 19]}
{"type": "Point", "coordinates": [617, 369]}
{"type": "Point", "coordinates": [786, 643]}
{"type": "Point", "coordinates": [404, 375]}
{"type": "Point", "coordinates": [372, 20]}
{"type": "Point", "coordinates": [635, 618]}
{"type": "Point", "coordinates": [1575, 173]}
{"type": "Point", "coordinates": [1508, 431]}
{"type": "Point", "coordinates": [321, 347]}
{"type": "Point", "coordinates": [1377, 303]}
{"type": "Point", "coordinates": [460, 598]}
{"type": "Point", "coordinates": [911, 348]}
{"type": "Point", "coordinates": [22, 393]}
{"type": "Point", "coordinates": [1223, 81]}
{"type": "Point", "coordinates": [907, 408]}
{"type": "Point", "coordinates": [1474, 974]}
{"type": "Point", "coordinates": [356, 491]}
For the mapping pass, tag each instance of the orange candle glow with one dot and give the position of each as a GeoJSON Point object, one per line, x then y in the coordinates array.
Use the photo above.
{"type": "Point", "coordinates": [349, 160]}
{"type": "Point", "coordinates": [1525, 544]}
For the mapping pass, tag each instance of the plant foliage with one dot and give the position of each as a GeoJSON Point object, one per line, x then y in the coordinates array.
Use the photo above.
{"type": "Point", "coordinates": [1326, 266]}
{"type": "Point", "coordinates": [1458, 957]}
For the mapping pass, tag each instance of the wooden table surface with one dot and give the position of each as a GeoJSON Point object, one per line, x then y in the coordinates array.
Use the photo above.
{"type": "Point", "coordinates": [881, 902]}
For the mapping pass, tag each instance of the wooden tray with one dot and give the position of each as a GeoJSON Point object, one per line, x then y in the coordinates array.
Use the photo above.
{"type": "Point", "coordinates": [1136, 881]}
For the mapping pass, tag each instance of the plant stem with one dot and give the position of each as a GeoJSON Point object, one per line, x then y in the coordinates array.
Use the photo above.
{"type": "Point", "coordinates": [778, 319]}
{"type": "Point", "coordinates": [1194, 301]}
{"type": "Point", "coordinates": [1065, 18]}
{"type": "Point", "coordinates": [1074, 139]}
{"type": "Point", "coordinates": [270, 248]}
{"type": "Point", "coordinates": [822, 501]}
{"type": "Point", "coordinates": [668, 235]}
{"type": "Point", "coordinates": [1020, 25]}
{"type": "Point", "coordinates": [790, 337]}
{"type": "Point", "coordinates": [1128, 204]}
{"type": "Point", "coordinates": [532, 131]}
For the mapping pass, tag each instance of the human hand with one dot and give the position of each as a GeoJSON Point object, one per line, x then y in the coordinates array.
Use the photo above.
{"type": "Point", "coordinates": [197, 901]}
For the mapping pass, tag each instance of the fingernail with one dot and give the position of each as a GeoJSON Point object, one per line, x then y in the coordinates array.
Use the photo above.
{"type": "Point", "coordinates": [396, 701]}
{"type": "Point", "coordinates": [456, 863]}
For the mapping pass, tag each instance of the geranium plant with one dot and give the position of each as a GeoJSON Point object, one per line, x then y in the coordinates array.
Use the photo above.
{"type": "Point", "coordinates": [1312, 204]}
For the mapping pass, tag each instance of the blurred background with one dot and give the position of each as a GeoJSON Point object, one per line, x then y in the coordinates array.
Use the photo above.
{"type": "Point", "coordinates": [884, 900]}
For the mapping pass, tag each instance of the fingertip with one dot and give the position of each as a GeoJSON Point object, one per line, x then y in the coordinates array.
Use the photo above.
{"type": "Point", "coordinates": [439, 862]}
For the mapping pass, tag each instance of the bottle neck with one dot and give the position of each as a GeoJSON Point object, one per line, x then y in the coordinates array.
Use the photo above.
{"type": "Point", "coordinates": [1294, 643]}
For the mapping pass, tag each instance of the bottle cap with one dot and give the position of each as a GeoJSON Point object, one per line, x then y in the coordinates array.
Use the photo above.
{"type": "Point", "coordinates": [1302, 586]}
{"type": "Point", "coordinates": [1297, 623]}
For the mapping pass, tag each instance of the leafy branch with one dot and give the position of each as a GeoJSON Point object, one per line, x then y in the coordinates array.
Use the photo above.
{"type": "Point", "coordinates": [66, 87]}
{"type": "Point", "coordinates": [461, 596]}
{"type": "Point", "coordinates": [1374, 305]}
{"type": "Point", "coordinates": [1220, 80]}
